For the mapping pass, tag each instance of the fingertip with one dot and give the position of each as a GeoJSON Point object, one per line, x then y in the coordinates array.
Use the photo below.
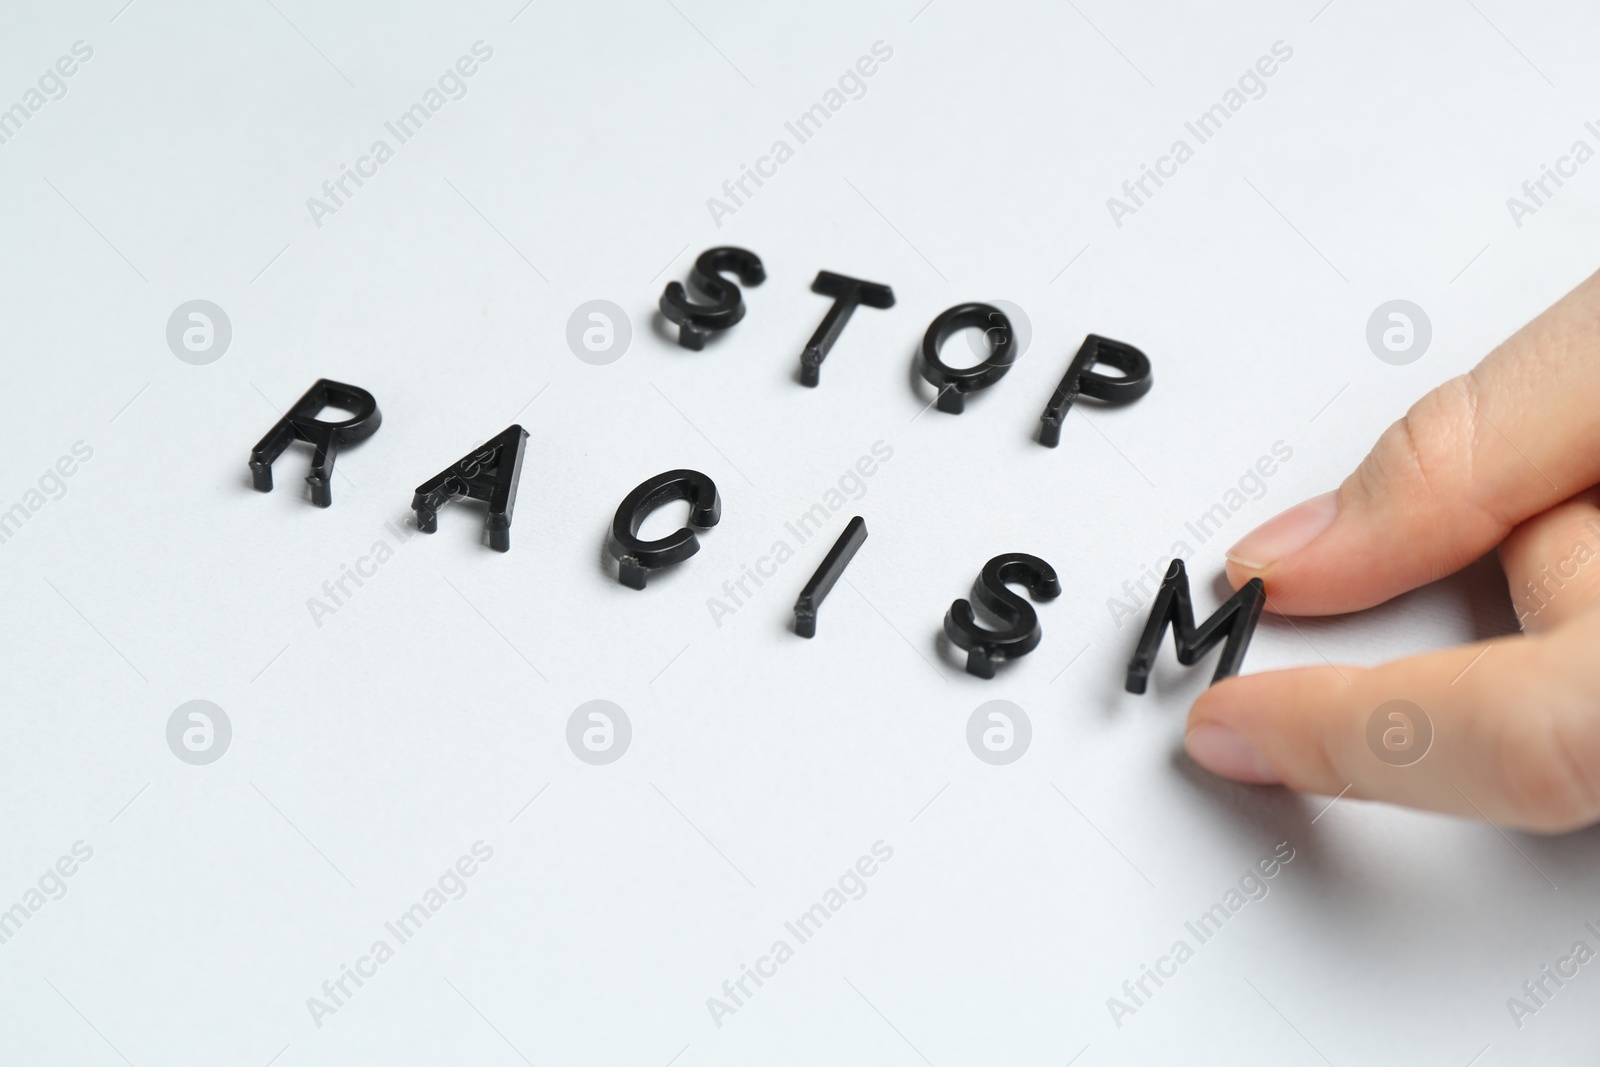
{"type": "Point", "coordinates": [1269, 727]}
{"type": "Point", "coordinates": [1239, 572]}
{"type": "Point", "coordinates": [1283, 551]}
{"type": "Point", "coordinates": [1285, 534]}
{"type": "Point", "coordinates": [1216, 735]}
{"type": "Point", "coordinates": [1224, 751]}
{"type": "Point", "coordinates": [1221, 703]}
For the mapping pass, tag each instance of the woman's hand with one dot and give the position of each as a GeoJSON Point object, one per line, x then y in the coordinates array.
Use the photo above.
{"type": "Point", "coordinates": [1505, 455]}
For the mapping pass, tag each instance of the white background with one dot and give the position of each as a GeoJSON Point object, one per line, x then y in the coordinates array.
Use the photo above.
{"type": "Point", "coordinates": [372, 751]}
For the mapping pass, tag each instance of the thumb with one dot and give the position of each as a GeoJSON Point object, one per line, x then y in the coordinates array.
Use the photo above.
{"type": "Point", "coordinates": [1446, 483]}
{"type": "Point", "coordinates": [1504, 730]}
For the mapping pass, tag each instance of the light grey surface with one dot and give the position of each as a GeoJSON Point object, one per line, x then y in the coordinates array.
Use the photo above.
{"type": "Point", "coordinates": [372, 746]}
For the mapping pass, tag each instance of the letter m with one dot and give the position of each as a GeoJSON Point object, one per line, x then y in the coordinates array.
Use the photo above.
{"type": "Point", "coordinates": [1234, 621]}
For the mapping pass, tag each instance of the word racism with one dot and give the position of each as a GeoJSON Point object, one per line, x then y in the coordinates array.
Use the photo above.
{"type": "Point", "coordinates": [853, 882]}
{"type": "Point", "coordinates": [810, 522]}
{"type": "Point", "coordinates": [1251, 887]}
{"type": "Point", "coordinates": [803, 128]}
{"type": "Point", "coordinates": [52, 482]}
{"type": "Point", "coordinates": [1251, 484]}
{"type": "Point", "coordinates": [451, 82]}
{"type": "Point", "coordinates": [1538, 191]}
{"type": "Point", "coordinates": [403, 929]}
{"type": "Point", "coordinates": [1202, 129]}
{"type": "Point", "coordinates": [52, 86]}
{"type": "Point", "coordinates": [366, 566]}
{"type": "Point", "coordinates": [52, 886]}
{"type": "Point", "coordinates": [1565, 968]}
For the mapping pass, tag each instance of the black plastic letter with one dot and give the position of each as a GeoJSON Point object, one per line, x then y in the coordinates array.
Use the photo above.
{"type": "Point", "coordinates": [325, 438]}
{"type": "Point", "coordinates": [1235, 620]}
{"type": "Point", "coordinates": [1082, 378]}
{"type": "Point", "coordinates": [987, 648]}
{"type": "Point", "coordinates": [695, 321]}
{"type": "Point", "coordinates": [822, 582]}
{"type": "Point", "coordinates": [636, 558]}
{"type": "Point", "coordinates": [489, 474]}
{"type": "Point", "coordinates": [846, 293]}
{"type": "Point", "coordinates": [955, 383]}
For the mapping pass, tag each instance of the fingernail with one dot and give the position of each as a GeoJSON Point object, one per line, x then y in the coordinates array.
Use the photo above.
{"type": "Point", "coordinates": [1287, 533]}
{"type": "Point", "coordinates": [1230, 754]}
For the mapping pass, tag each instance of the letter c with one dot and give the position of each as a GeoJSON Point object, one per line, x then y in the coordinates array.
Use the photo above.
{"type": "Point", "coordinates": [1173, 173]}
{"type": "Point", "coordinates": [1163, 972]}
{"type": "Point", "coordinates": [365, 573]}
{"type": "Point", "coordinates": [763, 972]}
{"type": "Point", "coordinates": [362, 171]}
{"type": "Point", "coordinates": [765, 573]}
{"type": "Point", "coordinates": [365, 973]}
{"type": "Point", "coordinates": [766, 173]}
{"type": "Point", "coordinates": [1563, 171]}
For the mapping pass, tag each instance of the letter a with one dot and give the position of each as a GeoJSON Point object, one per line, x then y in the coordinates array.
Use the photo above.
{"type": "Point", "coordinates": [490, 474]}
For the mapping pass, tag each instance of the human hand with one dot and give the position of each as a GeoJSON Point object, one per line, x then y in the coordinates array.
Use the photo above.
{"type": "Point", "coordinates": [1509, 455]}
